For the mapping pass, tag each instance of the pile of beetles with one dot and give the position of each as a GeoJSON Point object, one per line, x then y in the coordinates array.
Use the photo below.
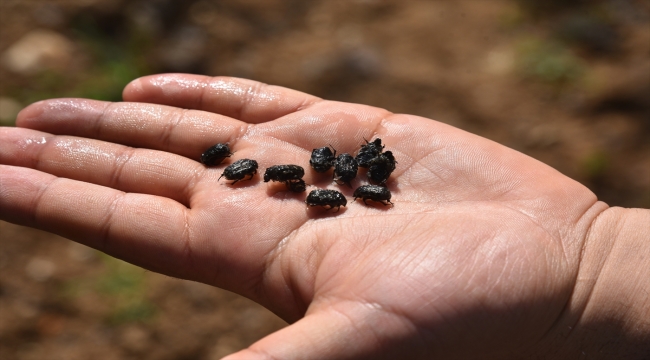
{"type": "Point", "coordinates": [371, 155]}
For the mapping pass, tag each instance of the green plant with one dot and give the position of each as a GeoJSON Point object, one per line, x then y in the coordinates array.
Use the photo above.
{"type": "Point", "coordinates": [595, 165]}
{"type": "Point", "coordinates": [124, 285]}
{"type": "Point", "coordinates": [548, 62]}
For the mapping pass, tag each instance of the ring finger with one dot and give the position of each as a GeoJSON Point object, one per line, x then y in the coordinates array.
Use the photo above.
{"type": "Point", "coordinates": [117, 166]}
{"type": "Point", "coordinates": [183, 132]}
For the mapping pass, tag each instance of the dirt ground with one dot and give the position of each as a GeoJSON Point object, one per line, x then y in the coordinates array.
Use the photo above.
{"type": "Point", "coordinates": [566, 82]}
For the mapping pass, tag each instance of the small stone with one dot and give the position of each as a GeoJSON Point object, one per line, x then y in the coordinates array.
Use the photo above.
{"type": "Point", "coordinates": [135, 339]}
{"type": "Point", "coordinates": [40, 269]}
{"type": "Point", "coordinates": [38, 50]}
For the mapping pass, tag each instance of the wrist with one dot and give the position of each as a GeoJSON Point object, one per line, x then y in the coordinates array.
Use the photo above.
{"type": "Point", "coordinates": [608, 315]}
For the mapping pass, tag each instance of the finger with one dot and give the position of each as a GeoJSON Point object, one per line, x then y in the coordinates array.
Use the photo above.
{"type": "Point", "coordinates": [146, 230]}
{"type": "Point", "coordinates": [246, 100]}
{"type": "Point", "coordinates": [182, 132]}
{"type": "Point", "coordinates": [332, 334]}
{"type": "Point", "coordinates": [103, 163]}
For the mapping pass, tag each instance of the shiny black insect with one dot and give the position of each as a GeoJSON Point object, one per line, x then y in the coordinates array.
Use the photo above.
{"type": "Point", "coordinates": [381, 167]}
{"type": "Point", "coordinates": [374, 193]}
{"type": "Point", "coordinates": [215, 154]}
{"type": "Point", "coordinates": [290, 175]}
{"type": "Point", "coordinates": [239, 170]}
{"type": "Point", "coordinates": [283, 173]}
{"type": "Point", "coordinates": [322, 159]}
{"type": "Point", "coordinates": [345, 169]}
{"type": "Point", "coordinates": [326, 198]}
{"type": "Point", "coordinates": [368, 152]}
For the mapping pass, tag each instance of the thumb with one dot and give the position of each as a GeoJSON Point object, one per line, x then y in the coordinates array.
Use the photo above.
{"type": "Point", "coordinates": [332, 334]}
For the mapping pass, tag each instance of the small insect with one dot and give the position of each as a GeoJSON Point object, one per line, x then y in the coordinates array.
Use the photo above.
{"type": "Point", "coordinates": [283, 173]}
{"type": "Point", "coordinates": [215, 154]}
{"type": "Point", "coordinates": [239, 170]}
{"type": "Point", "coordinates": [368, 152]}
{"type": "Point", "coordinates": [326, 198]}
{"type": "Point", "coordinates": [374, 193]}
{"type": "Point", "coordinates": [322, 159]}
{"type": "Point", "coordinates": [345, 169]}
{"type": "Point", "coordinates": [381, 167]}
{"type": "Point", "coordinates": [290, 175]}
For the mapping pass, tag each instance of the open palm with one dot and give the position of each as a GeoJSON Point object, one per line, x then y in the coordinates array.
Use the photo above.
{"type": "Point", "coordinates": [477, 257]}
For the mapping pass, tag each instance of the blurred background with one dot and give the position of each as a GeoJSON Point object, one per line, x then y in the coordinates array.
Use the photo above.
{"type": "Point", "coordinates": [564, 81]}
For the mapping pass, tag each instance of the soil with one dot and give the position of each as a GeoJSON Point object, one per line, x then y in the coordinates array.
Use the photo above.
{"type": "Point", "coordinates": [566, 82]}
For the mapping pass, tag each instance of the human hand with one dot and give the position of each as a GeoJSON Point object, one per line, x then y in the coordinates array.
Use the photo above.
{"type": "Point", "coordinates": [477, 258]}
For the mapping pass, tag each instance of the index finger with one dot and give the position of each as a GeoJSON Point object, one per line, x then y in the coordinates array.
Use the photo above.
{"type": "Point", "coordinates": [246, 100]}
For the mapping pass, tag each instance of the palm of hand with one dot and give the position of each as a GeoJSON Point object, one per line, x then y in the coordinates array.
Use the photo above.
{"type": "Point", "coordinates": [481, 246]}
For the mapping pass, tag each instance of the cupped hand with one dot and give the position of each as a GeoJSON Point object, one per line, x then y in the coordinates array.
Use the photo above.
{"type": "Point", "coordinates": [477, 258]}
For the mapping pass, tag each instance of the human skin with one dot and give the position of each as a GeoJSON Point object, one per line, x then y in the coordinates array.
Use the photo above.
{"type": "Point", "coordinates": [486, 253]}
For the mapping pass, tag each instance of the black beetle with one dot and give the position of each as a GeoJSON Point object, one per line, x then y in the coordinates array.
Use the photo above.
{"type": "Point", "coordinates": [368, 152]}
{"type": "Point", "coordinates": [239, 170]}
{"type": "Point", "coordinates": [290, 175]}
{"type": "Point", "coordinates": [322, 159]}
{"type": "Point", "coordinates": [283, 173]}
{"type": "Point", "coordinates": [374, 193]}
{"type": "Point", "coordinates": [381, 167]}
{"type": "Point", "coordinates": [345, 169]}
{"type": "Point", "coordinates": [215, 154]}
{"type": "Point", "coordinates": [325, 197]}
